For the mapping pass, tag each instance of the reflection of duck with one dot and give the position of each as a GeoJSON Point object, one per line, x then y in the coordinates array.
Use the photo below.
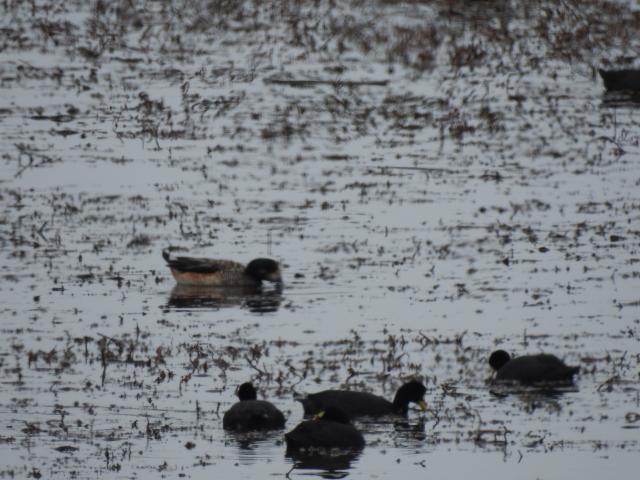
{"type": "Point", "coordinates": [542, 367]}
{"type": "Point", "coordinates": [357, 404]}
{"type": "Point", "coordinates": [256, 300]}
{"type": "Point", "coordinates": [252, 414]}
{"type": "Point", "coordinates": [628, 79]}
{"type": "Point", "coordinates": [211, 272]}
{"type": "Point", "coordinates": [329, 429]}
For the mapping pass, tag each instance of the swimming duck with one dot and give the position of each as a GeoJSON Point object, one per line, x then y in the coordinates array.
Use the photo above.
{"type": "Point", "coordinates": [222, 273]}
{"type": "Point", "coordinates": [357, 404]}
{"type": "Point", "coordinates": [252, 414]}
{"type": "Point", "coordinates": [330, 428]}
{"type": "Point", "coordinates": [542, 367]}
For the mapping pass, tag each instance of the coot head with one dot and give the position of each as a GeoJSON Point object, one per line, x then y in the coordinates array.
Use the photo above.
{"type": "Point", "coordinates": [499, 359]}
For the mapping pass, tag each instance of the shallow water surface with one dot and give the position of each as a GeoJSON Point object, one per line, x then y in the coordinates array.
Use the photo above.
{"type": "Point", "coordinates": [437, 181]}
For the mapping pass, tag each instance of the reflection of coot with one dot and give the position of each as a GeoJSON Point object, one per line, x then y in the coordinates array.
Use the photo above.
{"type": "Point", "coordinates": [255, 299]}
{"type": "Point", "coordinates": [331, 428]}
{"type": "Point", "coordinates": [252, 414]}
{"type": "Point", "coordinates": [357, 404]}
{"type": "Point", "coordinates": [332, 463]}
{"type": "Point", "coordinates": [249, 442]}
{"type": "Point", "coordinates": [410, 432]}
{"type": "Point", "coordinates": [542, 367]}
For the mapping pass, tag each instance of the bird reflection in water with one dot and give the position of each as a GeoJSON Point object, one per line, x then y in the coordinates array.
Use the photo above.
{"type": "Point", "coordinates": [533, 398]}
{"type": "Point", "coordinates": [255, 299]}
{"type": "Point", "coordinates": [411, 433]}
{"type": "Point", "coordinates": [333, 464]}
{"type": "Point", "coordinates": [251, 441]}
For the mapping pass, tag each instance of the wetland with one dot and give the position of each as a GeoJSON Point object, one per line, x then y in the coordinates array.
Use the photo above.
{"type": "Point", "coordinates": [438, 179]}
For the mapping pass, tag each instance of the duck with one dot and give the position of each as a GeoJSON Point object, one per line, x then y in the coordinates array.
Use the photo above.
{"type": "Point", "coordinates": [627, 79]}
{"type": "Point", "coordinates": [356, 404]}
{"type": "Point", "coordinates": [251, 414]}
{"type": "Point", "coordinates": [330, 428]}
{"type": "Point", "coordinates": [210, 272]}
{"type": "Point", "coordinates": [543, 367]}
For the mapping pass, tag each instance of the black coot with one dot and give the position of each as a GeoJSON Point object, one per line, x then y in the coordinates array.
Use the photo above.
{"type": "Point", "coordinates": [331, 428]}
{"type": "Point", "coordinates": [251, 414]}
{"type": "Point", "coordinates": [356, 404]}
{"type": "Point", "coordinates": [542, 367]}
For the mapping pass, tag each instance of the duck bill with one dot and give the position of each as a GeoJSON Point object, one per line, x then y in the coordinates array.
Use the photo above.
{"type": "Point", "coordinates": [423, 405]}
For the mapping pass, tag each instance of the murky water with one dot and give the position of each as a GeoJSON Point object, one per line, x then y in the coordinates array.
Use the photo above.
{"type": "Point", "coordinates": [457, 181]}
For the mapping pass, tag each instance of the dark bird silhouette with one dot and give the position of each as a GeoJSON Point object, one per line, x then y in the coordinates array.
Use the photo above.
{"type": "Point", "coordinates": [628, 79]}
{"type": "Point", "coordinates": [251, 414]}
{"type": "Point", "coordinates": [356, 404]}
{"type": "Point", "coordinates": [331, 428]}
{"type": "Point", "coordinates": [542, 367]}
